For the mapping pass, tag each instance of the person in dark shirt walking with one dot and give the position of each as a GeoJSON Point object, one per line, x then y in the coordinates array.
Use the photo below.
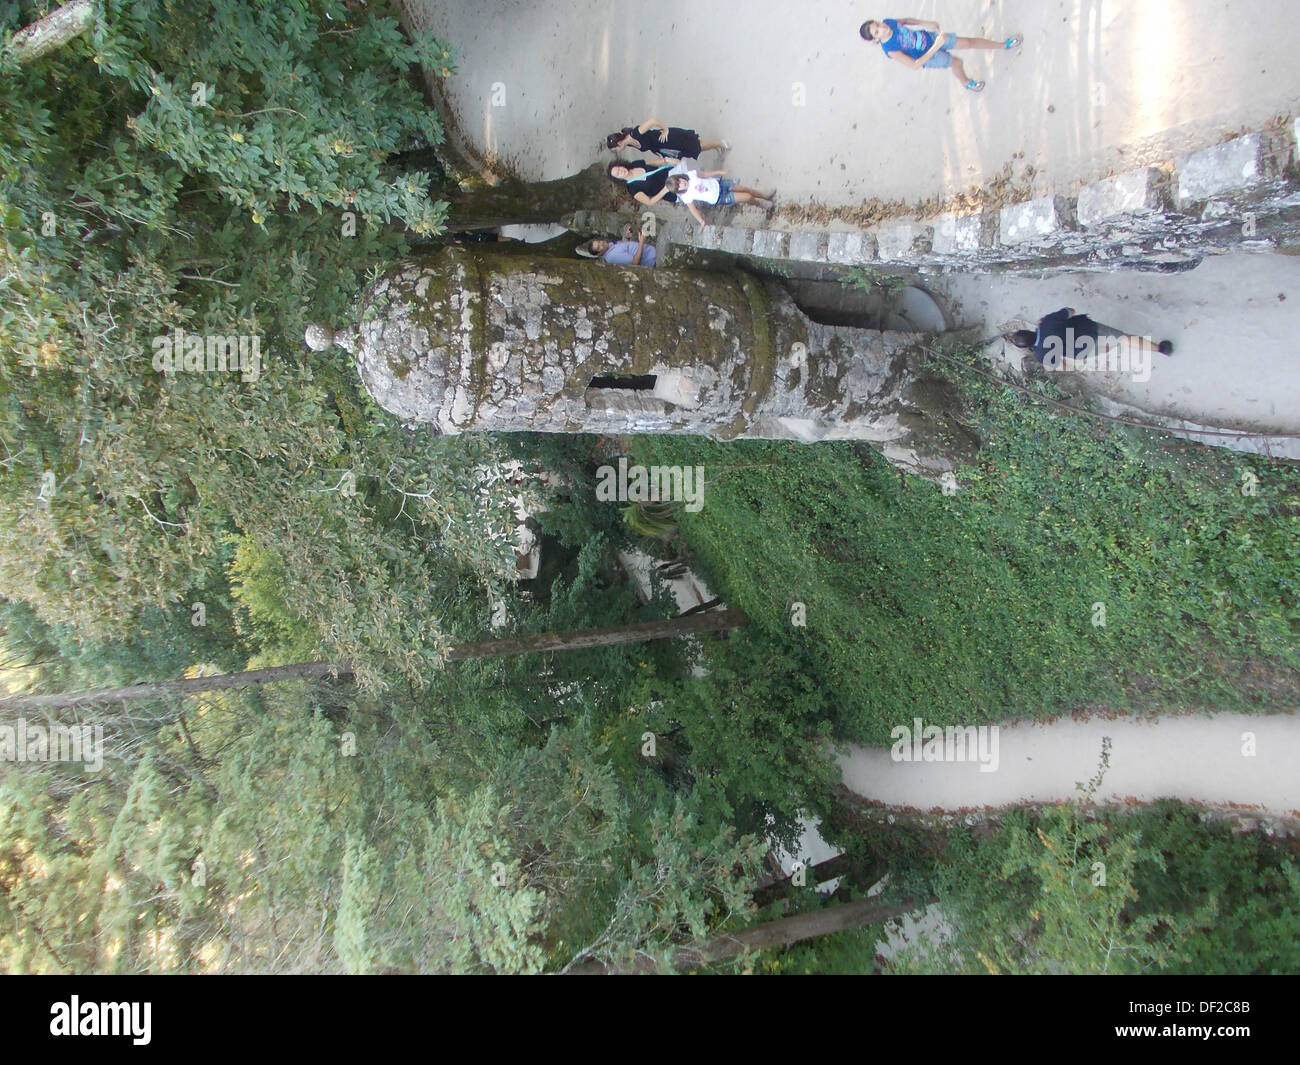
{"type": "Point", "coordinates": [1089, 344]}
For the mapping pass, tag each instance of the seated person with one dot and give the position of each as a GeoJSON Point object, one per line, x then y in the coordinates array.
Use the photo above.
{"type": "Point", "coordinates": [625, 252]}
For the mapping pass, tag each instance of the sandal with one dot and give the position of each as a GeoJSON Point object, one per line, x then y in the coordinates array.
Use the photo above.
{"type": "Point", "coordinates": [975, 86]}
{"type": "Point", "coordinates": [1014, 42]}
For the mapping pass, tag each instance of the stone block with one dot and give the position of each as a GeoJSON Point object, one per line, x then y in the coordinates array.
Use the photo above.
{"type": "Point", "coordinates": [708, 237]}
{"type": "Point", "coordinates": [808, 247]}
{"type": "Point", "coordinates": [675, 387]}
{"type": "Point", "coordinates": [771, 243]}
{"type": "Point", "coordinates": [850, 249]}
{"type": "Point", "coordinates": [957, 234]}
{"type": "Point", "coordinates": [1036, 220]}
{"type": "Point", "coordinates": [1133, 192]}
{"type": "Point", "coordinates": [735, 240]}
{"type": "Point", "coordinates": [1225, 168]}
{"type": "Point", "coordinates": [903, 240]}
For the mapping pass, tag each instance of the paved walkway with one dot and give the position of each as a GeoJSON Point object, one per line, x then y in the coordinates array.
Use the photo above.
{"type": "Point", "coordinates": [1195, 758]}
{"type": "Point", "coordinates": [813, 109]}
{"type": "Point", "coordinates": [1233, 320]}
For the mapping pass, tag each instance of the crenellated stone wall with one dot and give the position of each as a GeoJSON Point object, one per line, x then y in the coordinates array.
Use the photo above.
{"type": "Point", "coordinates": [1242, 192]}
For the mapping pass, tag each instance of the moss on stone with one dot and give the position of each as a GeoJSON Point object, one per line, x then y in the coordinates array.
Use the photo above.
{"type": "Point", "coordinates": [762, 359]}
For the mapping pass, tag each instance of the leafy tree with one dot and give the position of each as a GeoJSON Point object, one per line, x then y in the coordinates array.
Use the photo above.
{"type": "Point", "coordinates": [185, 168]}
{"type": "Point", "coordinates": [333, 839]}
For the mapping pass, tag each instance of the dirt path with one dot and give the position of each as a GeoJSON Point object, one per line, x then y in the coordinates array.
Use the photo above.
{"type": "Point", "coordinates": [1195, 758]}
{"type": "Point", "coordinates": [815, 110]}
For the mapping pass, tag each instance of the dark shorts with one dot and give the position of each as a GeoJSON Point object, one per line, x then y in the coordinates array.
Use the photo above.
{"type": "Point", "coordinates": [680, 144]}
{"type": "Point", "coordinates": [725, 196]}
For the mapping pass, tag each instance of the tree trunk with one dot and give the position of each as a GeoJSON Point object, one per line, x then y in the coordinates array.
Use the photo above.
{"type": "Point", "coordinates": [773, 935]}
{"type": "Point", "coordinates": [53, 31]}
{"type": "Point", "coordinates": [476, 204]}
{"type": "Point", "coordinates": [840, 866]}
{"type": "Point", "coordinates": [485, 194]}
{"type": "Point", "coordinates": [790, 930]}
{"type": "Point", "coordinates": [190, 685]}
{"type": "Point", "coordinates": [717, 621]}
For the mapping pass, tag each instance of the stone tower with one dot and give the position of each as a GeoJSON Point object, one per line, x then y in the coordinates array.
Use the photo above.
{"type": "Point", "coordinates": [475, 340]}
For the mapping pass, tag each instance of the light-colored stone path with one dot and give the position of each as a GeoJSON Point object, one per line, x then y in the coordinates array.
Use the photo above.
{"type": "Point", "coordinates": [813, 109]}
{"type": "Point", "coordinates": [1234, 321]}
{"type": "Point", "coordinates": [1195, 758]}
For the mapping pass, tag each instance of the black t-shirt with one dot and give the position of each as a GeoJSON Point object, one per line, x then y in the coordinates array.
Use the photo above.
{"type": "Point", "coordinates": [1063, 334]}
{"type": "Point", "coordinates": [648, 141]}
{"type": "Point", "coordinates": [675, 144]}
{"type": "Point", "coordinates": [652, 182]}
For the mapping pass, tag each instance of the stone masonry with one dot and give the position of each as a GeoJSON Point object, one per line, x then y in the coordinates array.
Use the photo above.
{"type": "Point", "coordinates": [1243, 191]}
{"type": "Point", "coordinates": [470, 341]}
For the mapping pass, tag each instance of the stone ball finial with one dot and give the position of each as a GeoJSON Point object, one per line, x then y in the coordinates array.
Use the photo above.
{"type": "Point", "coordinates": [319, 337]}
{"type": "Point", "coordinates": [322, 337]}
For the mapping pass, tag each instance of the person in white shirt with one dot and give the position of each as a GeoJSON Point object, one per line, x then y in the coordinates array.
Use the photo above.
{"type": "Point", "coordinates": [709, 186]}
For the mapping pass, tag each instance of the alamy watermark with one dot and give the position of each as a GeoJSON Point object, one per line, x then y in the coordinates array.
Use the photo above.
{"type": "Point", "coordinates": [653, 484]}
{"type": "Point", "coordinates": [182, 352]}
{"type": "Point", "coordinates": [956, 743]}
{"type": "Point", "coordinates": [103, 1018]}
{"type": "Point", "coordinates": [26, 742]}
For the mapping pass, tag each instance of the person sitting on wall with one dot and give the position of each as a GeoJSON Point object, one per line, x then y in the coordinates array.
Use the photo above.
{"type": "Point", "coordinates": [625, 252]}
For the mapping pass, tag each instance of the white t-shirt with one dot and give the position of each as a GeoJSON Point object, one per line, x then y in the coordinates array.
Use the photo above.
{"type": "Point", "coordinates": [700, 190]}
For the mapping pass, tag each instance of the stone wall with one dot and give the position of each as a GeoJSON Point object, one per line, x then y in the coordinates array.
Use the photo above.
{"type": "Point", "coordinates": [1242, 192]}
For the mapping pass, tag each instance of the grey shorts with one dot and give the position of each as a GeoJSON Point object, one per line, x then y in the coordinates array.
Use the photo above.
{"type": "Point", "coordinates": [725, 196]}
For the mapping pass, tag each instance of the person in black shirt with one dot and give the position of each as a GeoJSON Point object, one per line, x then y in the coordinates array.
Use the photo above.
{"type": "Point", "coordinates": [1065, 335]}
{"type": "Point", "coordinates": [645, 181]}
{"type": "Point", "coordinates": [671, 142]}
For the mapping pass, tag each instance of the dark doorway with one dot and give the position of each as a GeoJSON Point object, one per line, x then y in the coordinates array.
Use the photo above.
{"type": "Point", "coordinates": [640, 382]}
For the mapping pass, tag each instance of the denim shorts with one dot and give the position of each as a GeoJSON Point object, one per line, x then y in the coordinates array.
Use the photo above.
{"type": "Point", "coordinates": [725, 196]}
{"type": "Point", "coordinates": [941, 60]}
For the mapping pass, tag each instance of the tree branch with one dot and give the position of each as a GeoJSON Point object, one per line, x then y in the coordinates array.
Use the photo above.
{"type": "Point", "coordinates": [53, 31]}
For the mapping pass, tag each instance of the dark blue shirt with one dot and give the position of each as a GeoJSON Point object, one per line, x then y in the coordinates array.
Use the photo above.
{"type": "Point", "coordinates": [1061, 334]}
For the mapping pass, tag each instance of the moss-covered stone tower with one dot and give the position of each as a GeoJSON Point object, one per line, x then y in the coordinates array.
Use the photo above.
{"type": "Point", "coordinates": [472, 340]}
